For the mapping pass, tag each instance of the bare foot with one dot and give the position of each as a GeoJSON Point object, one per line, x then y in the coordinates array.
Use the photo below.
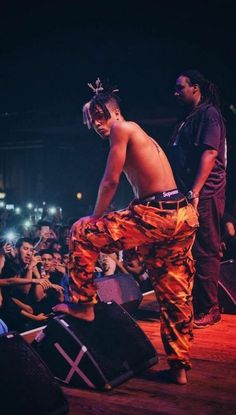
{"type": "Point", "coordinates": [179, 376]}
{"type": "Point", "coordinates": [81, 311]}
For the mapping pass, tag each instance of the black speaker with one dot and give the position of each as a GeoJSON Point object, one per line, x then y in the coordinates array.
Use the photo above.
{"type": "Point", "coordinates": [227, 287]}
{"type": "Point", "coordinates": [122, 288]}
{"type": "Point", "coordinates": [26, 384]}
{"type": "Point", "coordinates": [100, 354]}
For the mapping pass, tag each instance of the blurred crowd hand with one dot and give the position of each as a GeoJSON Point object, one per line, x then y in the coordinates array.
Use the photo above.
{"type": "Point", "coordinates": [134, 266]}
{"type": "Point", "coordinates": [58, 288]}
{"type": "Point", "coordinates": [39, 317]}
{"type": "Point", "coordinates": [9, 249]}
{"type": "Point", "coordinates": [44, 282]}
{"type": "Point", "coordinates": [1, 298]}
{"type": "Point", "coordinates": [36, 259]}
{"type": "Point", "coordinates": [46, 285]}
{"type": "Point", "coordinates": [60, 291]}
{"type": "Point", "coordinates": [60, 267]}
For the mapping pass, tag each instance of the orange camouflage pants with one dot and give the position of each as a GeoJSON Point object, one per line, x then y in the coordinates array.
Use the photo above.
{"type": "Point", "coordinates": [164, 238]}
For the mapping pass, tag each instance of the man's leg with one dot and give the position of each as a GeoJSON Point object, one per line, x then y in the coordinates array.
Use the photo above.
{"type": "Point", "coordinates": [111, 233]}
{"type": "Point", "coordinates": [171, 270]}
{"type": "Point", "coordinates": [84, 254]}
{"type": "Point", "coordinates": [206, 251]}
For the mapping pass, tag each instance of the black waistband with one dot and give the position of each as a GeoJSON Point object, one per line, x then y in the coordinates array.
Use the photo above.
{"type": "Point", "coordinates": [171, 200]}
{"type": "Point", "coordinates": [172, 194]}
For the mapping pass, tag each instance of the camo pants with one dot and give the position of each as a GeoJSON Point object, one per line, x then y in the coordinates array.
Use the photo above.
{"type": "Point", "coordinates": [164, 238]}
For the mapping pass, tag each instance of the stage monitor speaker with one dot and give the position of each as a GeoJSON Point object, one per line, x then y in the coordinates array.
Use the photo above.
{"type": "Point", "coordinates": [100, 354]}
{"type": "Point", "coordinates": [121, 288]}
{"type": "Point", "coordinates": [227, 287]}
{"type": "Point", "coordinates": [26, 384]}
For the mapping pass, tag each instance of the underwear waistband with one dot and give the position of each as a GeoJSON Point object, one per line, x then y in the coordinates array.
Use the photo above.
{"type": "Point", "coordinates": [172, 194]}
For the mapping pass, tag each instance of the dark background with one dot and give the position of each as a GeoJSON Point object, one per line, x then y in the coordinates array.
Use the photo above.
{"type": "Point", "coordinates": [50, 50]}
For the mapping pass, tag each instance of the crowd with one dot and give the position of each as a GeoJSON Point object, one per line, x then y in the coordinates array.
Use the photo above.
{"type": "Point", "coordinates": [34, 274]}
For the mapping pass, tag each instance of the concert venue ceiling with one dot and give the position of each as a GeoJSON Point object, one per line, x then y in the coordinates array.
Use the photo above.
{"type": "Point", "coordinates": [50, 50]}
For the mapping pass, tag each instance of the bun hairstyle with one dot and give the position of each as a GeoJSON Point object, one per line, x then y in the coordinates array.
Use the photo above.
{"type": "Point", "coordinates": [103, 93]}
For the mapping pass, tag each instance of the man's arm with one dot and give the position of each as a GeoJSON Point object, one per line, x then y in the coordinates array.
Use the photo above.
{"type": "Point", "coordinates": [6, 282]}
{"type": "Point", "coordinates": [116, 159]}
{"type": "Point", "coordinates": [210, 139]}
{"type": "Point", "coordinates": [206, 165]}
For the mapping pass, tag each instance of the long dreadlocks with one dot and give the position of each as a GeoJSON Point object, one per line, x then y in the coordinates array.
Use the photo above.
{"type": "Point", "coordinates": [208, 90]}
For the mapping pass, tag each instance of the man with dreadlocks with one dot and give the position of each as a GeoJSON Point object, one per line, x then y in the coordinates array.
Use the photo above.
{"type": "Point", "coordinates": [198, 157]}
{"type": "Point", "coordinates": [159, 221]}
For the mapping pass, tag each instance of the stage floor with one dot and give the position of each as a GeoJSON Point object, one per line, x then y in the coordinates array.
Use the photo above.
{"type": "Point", "coordinates": [212, 381]}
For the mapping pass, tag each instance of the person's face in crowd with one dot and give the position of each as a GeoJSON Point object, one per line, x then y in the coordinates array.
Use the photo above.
{"type": "Point", "coordinates": [47, 260]}
{"type": "Point", "coordinates": [65, 258]}
{"type": "Point", "coordinates": [101, 124]}
{"type": "Point", "coordinates": [26, 252]}
{"type": "Point", "coordinates": [57, 258]}
{"type": "Point", "coordinates": [185, 92]}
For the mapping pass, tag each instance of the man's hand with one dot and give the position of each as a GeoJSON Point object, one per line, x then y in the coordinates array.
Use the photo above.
{"type": "Point", "coordinates": [195, 202]}
{"type": "Point", "coordinates": [34, 261]}
{"type": "Point", "coordinates": [79, 225]}
{"type": "Point", "coordinates": [61, 268]}
{"type": "Point", "coordinates": [45, 283]}
{"type": "Point", "coordinates": [9, 249]}
{"type": "Point", "coordinates": [39, 317]}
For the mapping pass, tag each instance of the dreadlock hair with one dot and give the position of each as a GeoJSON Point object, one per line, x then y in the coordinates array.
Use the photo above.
{"type": "Point", "coordinates": [103, 95]}
{"type": "Point", "coordinates": [209, 91]}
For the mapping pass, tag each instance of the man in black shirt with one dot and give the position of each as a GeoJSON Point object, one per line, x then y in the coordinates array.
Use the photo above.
{"type": "Point", "coordinates": [197, 152]}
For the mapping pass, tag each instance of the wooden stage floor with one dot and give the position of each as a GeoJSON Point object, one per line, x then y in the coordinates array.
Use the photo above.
{"type": "Point", "coordinates": [212, 381]}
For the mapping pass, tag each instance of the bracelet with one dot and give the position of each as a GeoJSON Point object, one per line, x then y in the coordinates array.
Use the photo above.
{"type": "Point", "coordinates": [192, 195]}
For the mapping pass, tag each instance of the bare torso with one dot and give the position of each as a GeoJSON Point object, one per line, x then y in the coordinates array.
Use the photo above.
{"type": "Point", "coordinates": [146, 166]}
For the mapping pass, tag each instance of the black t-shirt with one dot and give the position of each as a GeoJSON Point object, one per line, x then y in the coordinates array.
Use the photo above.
{"type": "Point", "coordinates": [13, 268]}
{"type": "Point", "coordinates": [202, 129]}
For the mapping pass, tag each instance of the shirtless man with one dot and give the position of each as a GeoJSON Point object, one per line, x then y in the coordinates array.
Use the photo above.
{"type": "Point", "coordinates": [159, 221]}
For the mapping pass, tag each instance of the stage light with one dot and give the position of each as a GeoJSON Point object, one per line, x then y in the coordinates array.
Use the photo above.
{"type": "Point", "coordinates": [79, 195]}
{"type": "Point", "coordinates": [18, 210]}
{"type": "Point", "coordinates": [27, 224]}
{"type": "Point", "coordinates": [10, 236]}
{"type": "Point", "coordinates": [10, 206]}
{"type": "Point", "coordinates": [30, 205]}
{"type": "Point", "coordinates": [2, 204]}
{"type": "Point", "coordinates": [2, 195]}
{"type": "Point", "coordinates": [52, 210]}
